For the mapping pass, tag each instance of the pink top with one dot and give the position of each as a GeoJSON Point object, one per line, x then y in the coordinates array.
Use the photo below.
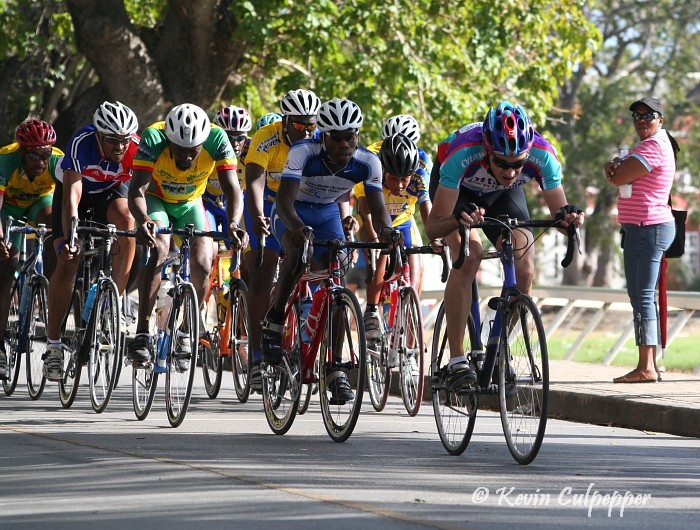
{"type": "Point", "coordinates": [649, 202]}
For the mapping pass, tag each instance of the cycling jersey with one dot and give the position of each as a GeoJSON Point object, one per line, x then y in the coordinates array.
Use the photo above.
{"type": "Point", "coordinates": [402, 207]}
{"type": "Point", "coordinates": [269, 149]}
{"type": "Point", "coordinates": [214, 195]}
{"type": "Point", "coordinates": [175, 185]}
{"type": "Point", "coordinates": [84, 155]}
{"type": "Point", "coordinates": [15, 186]}
{"type": "Point", "coordinates": [465, 164]}
{"type": "Point", "coordinates": [320, 185]}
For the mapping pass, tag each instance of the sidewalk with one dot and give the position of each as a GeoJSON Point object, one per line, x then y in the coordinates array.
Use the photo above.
{"type": "Point", "coordinates": [585, 393]}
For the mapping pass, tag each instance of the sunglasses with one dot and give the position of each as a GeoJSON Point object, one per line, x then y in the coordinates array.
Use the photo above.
{"type": "Point", "coordinates": [303, 126]}
{"type": "Point", "coordinates": [504, 164]}
{"type": "Point", "coordinates": [341, 136]}
{"type": "Point", "coordinates": [35, 157]}
{"type": "Point", "coordinates": [117, 140]}
{"type": "Point", "coordinates": [647, 116]}
{"type": "Point", "coordinates": [237, 139]}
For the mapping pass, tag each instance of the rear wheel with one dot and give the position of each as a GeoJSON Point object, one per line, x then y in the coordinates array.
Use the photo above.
{"type": "Point", "coordinates": [523, 380]}
{"type": "Point", "coordinates": [72, 334]}
{"type": "Point", "coordinates": [411, 350]}
{"type": "Point", "coordinates": [36, 339]}
{"type": "Point", "coordinates": [343, 357]}
{"type": "Point", "coordinates": [105, 344]}
{"type": "Point", "coordinates": [241, 358]}
{"type": "Point", "coordinates": [455, 413]}
{"type": "Point", "coordinates": [181, 364]}
{"type": "Point", "coordinates": [378, 371]}
{"type": "Point", "coordinates": [210, 345]}
{"type": "Point", "coordinates": [14, 356]}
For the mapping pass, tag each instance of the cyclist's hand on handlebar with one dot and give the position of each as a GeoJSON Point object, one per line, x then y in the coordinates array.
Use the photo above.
{"type": "Point", "coordinates": [4, 249]}
{"type": "Point", "coordinates": [469, 213]}
{"type": "Point", "coordinates": [65, 251]}
{"type": "Point", "coordinates": [350, 225]}
{"type": "Point", "coordinates": [570, 214]}
{"type": "Point", "coordinates": [300, 236]}
{"type": "Point", "coordinates": [438, 245]}
{"type": "Point", "coordinates": [238, 236]}
{"type": "Point", "coordinates": [146, 234]}
{"type": "Point", "coordinates": [261, 226]}
{"type": "Point", "coordinates": [393, 237]}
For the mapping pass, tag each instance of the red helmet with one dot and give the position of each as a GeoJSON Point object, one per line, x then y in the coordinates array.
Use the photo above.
{"type": "Point", "coordinates": [35, 133]}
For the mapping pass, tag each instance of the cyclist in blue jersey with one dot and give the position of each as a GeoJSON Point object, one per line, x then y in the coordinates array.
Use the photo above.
{"type": "Point", "coordinates": [483, 168]}
{"type": "Point", "coordinates": [314, 191]}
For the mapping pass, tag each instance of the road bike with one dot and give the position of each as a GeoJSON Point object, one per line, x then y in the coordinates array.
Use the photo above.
{"type": "Point", "coordinates": [400, 343]}
{"type": "Point", "coordinates": [513, 366]}
{"type": "Point", "coordinates": [334, 342]}
{"type": "Point", "coordinates": [28, 312]}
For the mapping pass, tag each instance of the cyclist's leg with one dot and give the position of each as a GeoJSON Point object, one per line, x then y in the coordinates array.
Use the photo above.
{"type": "Point", "coordinates": [8, 266]}
{"type": "Point", "coordinates": [114, 203]}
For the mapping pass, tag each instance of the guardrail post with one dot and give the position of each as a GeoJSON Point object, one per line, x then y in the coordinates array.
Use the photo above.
{"type": "Point", "coordinates": [592, 324]}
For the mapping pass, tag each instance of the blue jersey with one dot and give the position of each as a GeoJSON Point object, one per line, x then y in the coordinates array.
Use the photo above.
{"type": "Point", "coordinates": [465, 164]}
{"type": "Point", "coordinates": [84, 155]}
{"type": "Point", "coordinates": [318, 184]}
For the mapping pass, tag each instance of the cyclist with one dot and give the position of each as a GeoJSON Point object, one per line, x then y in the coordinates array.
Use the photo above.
{"type": "Point", "coordinates": [404, 187]}
{"type": "Point", "coordinates": [484, 168]}
{"type": "Point", "coordinates": [267, 119]}
{"type": "Point", "coordinates": [314, 191]}
{"type": "Point", "coordinates": [171, 169]}
{"type": "Point", "coordinates": [28, 170]}
{"type": "Point", "coordinates": [267, 155]}
{"type": "Point", "coordinates": [96, 171]}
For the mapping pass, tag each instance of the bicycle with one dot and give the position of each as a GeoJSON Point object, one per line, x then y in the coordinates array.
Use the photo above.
{"type": "Point", "coordinates": [180, 315]}
{"type": "Point", "coordinates": [336, 342]}
{"type": "Point", "coordinates": [400, 344]}
{"type": "Point", "coordinates": [515, 364]}
{"type": "Point", "coordinates": [28, 312]}
{"type": "Point", "coordinates": [91, 330]}
{"type": "Point", "coordinates": [227, 325]}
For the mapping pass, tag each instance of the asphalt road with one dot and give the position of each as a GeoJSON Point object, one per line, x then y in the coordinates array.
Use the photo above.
{"type": "Point", "coordinates": [224, 468]}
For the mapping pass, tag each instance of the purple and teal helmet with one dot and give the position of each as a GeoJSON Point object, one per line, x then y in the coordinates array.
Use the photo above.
{"type": "Point", "coordinates": [507, 130]}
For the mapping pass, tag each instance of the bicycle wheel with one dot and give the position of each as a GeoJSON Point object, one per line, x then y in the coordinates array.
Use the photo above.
{"type": "Point", "coordinates": [72, 334]}
{"type": "Point", "coordinates": [343, 356]}
{"type": "Point", "coordinates": [144, 380]}
{"type": "Point", "coordinates": [181, 364]}
{"type": "Point", "coordinates": [105, 341]}
{"type": "Point", "coordinates": [307, 390]}
{"type": "Point", "coordinates": [282, 383]}
{"type": "Point", "coordinates": [411, 350]}
{"type": "Point", "coordinates": [210, 346]}
{"type": "Point", "coordinates": [378, 371]}
{"type": "Point", "coordinates": [241, 360]}
{"type": "Point", "coordinates": [454, 413]}
{"type": "Point", "coordinates": [14, 356]}
{"type": "Point", "coordinates": [523, 380]}
{"type": "Point", "coordinates": [36, 339]}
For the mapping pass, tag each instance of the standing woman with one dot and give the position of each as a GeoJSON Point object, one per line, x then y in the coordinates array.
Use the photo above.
{"type": "Point", "coordinates": [647, 224]}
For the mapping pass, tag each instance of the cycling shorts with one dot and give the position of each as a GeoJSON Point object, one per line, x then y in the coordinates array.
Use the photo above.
{"type": "Point", "coordinates": [97, 202]}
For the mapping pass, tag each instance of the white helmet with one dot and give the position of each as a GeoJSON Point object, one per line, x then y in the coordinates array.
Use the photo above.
{"type": "Point", "coordinates": [300, 103]}
{"type": "Point", "coordinates": [404, 124]}
{"type": "Point", "coordinates": [233, 118]}
{"type": "Point", "coordinates": [187, 125]}
{"type": "Point", "coordinates": [115, 118]}
{"type": "Point", "coordinates": [339, 115]}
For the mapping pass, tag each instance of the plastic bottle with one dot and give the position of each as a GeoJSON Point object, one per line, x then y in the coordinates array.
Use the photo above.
{"type": "Point", "coordinates": [165, 286]}
{"type": "Point", "coordinates": [315, 313]}
{"type": "Point", "coordinates": [90, 301]}
{"type": "Point", "coordinates": [222, 303]}
{"type": "Point", "coordinates": [162, 349]}
{"type": "Point", "coordinates": [305, 306]}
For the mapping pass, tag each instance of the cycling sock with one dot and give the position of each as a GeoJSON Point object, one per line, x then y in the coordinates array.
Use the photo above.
{"type": "Point", "coordinates": [457, 360]}
{"type": "Point", "coordinates": [372, 308]}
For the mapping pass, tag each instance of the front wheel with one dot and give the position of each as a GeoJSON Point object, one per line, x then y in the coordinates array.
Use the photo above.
{"type": "Point", "coordinates": [72, 333]}
{"type": "Point", "coordinates": [239, 342]}
{"type": "Point", "coordinates": [105, 342]}
{"type": "Point", "coordinates": [14, 355]}
{"type": "Point", "coordinates": [210, 346]}
{"type": "Point", "coordinates": [523, 380]}
{"type": "Point", "coordinates": [342, 365]}
{"type": "Point", "coordinates": [411, 350]}
{"type": "Point", "coordinates": [183, 328]}
{"type": "Point", "coordinates": [36, 339]}
{"type": "Point", "coordinates": [455, 413]}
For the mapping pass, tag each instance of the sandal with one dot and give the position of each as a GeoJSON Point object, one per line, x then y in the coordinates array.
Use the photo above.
{"type": "Point", "coordinates": [635, 376]}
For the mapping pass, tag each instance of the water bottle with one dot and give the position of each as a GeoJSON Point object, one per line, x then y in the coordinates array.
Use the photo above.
{"type": "Point", "coordinates": [222, 303]}
{"type": "Point", "coordinates": [162, 349]}
{"type": "Point", "coordinates": [90, 301]}
{"type": "Point", "coordinates": [305, 305]}
{"type": "Point", "coordinates": [315, 313]}
{"type": "Point", "coordinates": [165, 286]}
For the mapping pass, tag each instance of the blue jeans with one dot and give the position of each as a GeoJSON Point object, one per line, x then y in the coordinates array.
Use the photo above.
{"type": "Point", "coordinates": [644, 248]}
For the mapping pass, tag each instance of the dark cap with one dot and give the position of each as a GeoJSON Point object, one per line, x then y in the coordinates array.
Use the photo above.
{"type": "Point", "coordinates": [653, 103]}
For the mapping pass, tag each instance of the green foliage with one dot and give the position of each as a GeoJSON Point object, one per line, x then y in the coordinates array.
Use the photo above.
{"type": "Point", "coordinates": [147, 13]}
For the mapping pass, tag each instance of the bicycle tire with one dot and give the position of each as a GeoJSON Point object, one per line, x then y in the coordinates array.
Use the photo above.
{"type": "Point", "coordinates": [210, 346]}
{"type": "Point", "coordinates": [35, 336]}
{"type": "Point", "coordinates": [455, 414]}
{"type": "Point", "coordinates": [344, 349]}
{"type": "Point", "coordinates": [144, 380]}
{"type": "Point", "coordinates": [282, 383]}
{"type": "Point", "coordinates": [239, 343]}
{"type": "Point", "coordinates": [378, 370]}
{"type": "Point", "coordinates": [411, 356]}
{"type": "Point", "coordinates": [72, 335]}
{"type": "Point", "coordinates": [105, 342]}
{"type": "Point", "coordinates": [523, 380]}
{"type": "Point", "coordinates": [179, 375]}
{"type": "Point", "coordinates": [11, 338]}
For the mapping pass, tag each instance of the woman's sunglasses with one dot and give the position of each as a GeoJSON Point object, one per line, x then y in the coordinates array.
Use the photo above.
{"type": "Point", "coordinates": [647, 116]}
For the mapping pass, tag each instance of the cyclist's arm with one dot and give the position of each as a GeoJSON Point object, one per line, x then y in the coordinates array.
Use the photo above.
{"type": "Point", "coordinates": [228, 179]}
{"type": "Point", "coordinates": [441, 221]}
{"type": "Point", "coordinates": [286, 195]}
{"type": "Point", "coordinates": [367, 232]}
{"type": "Point", "coordinates": [556, 199]}
{"type": "Point", "coordinates": [255, 188]}
{"type": "Point", "coordinates": [72, 193]}
{"type": "Point", "coordinates": [377, 209]}
{"type": "Point", "coordinates": [137, 196]}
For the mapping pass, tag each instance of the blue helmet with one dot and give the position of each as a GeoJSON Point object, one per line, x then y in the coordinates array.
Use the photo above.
{"type": "Point", "coordinates": [267, 119]}
{"type": "Point", "coordinates": [507, 130]}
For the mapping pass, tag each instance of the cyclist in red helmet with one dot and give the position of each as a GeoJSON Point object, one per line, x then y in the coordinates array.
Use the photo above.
{"type": "Point", "coordinates": [28, 170]}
